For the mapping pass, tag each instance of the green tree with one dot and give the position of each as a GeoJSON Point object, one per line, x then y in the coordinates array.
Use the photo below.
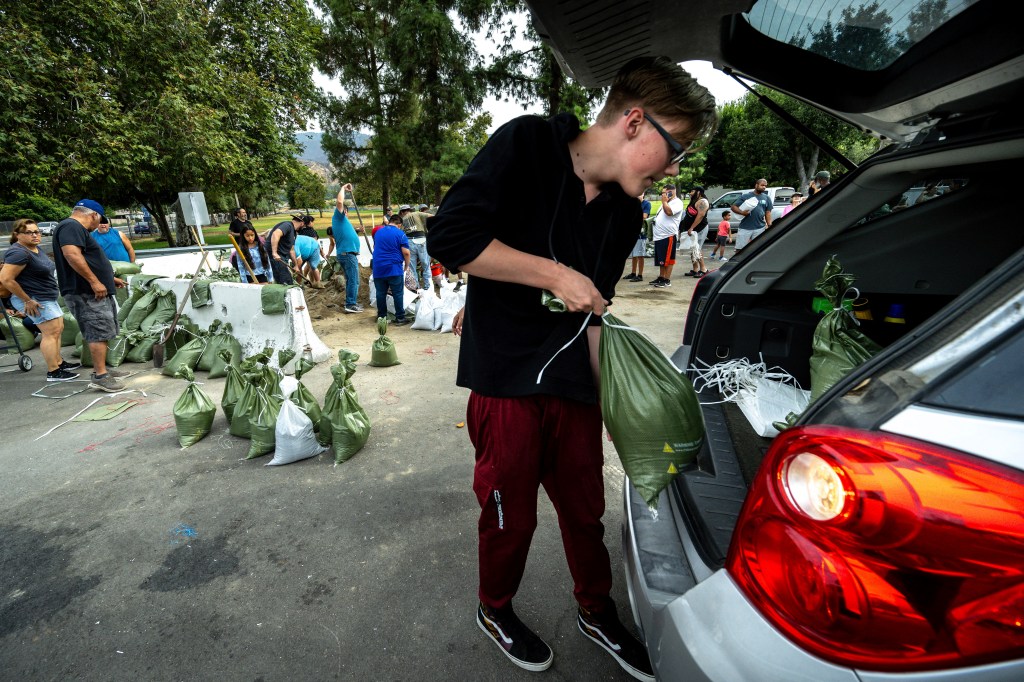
{"type": "Point", "coordinates": [190, 94]}
{"type": "Point", "coordinates": [305, 189]}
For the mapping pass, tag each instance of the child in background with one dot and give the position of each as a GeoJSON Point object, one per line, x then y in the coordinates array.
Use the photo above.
{"type": "Point", "coordinates": [724, 237]}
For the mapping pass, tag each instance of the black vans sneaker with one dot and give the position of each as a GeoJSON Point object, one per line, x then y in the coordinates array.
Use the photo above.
{"type": "Point", "coordinates": [518, 642]}
{"type": "Point", "coordinates": [607, 632]}
{"type": "Point", "coordinates": [60, 374]}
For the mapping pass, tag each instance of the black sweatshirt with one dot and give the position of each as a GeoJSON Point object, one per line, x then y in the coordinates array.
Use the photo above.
{"type": "Point", "coordinates": [521, 190]}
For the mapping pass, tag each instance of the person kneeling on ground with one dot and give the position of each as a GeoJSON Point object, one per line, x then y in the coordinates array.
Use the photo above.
{"type": "Point", "coordinates": [311, 256]}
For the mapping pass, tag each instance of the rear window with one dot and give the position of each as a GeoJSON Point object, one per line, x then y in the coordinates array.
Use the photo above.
{"type": "Point", "coordinates": [920, 192]}
{"type": "Point", "coordinates": [864, 35]}
{"type": "Point", "coordinates": [726, 200]}
{"type": "Point", "coordinates": [984, 387]}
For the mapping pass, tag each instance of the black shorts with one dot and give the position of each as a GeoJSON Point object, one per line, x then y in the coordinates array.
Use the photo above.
{"type": "Point", "coordinates": [721, 240]}
{"type": "Point", "coordinates": [665, 251]}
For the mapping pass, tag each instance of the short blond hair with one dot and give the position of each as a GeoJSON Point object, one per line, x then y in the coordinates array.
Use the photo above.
{"type": "Point", "coordinates": [664, 90]}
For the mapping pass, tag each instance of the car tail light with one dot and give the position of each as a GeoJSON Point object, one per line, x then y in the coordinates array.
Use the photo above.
{"type": "Point", "coordinates": [880, 552]}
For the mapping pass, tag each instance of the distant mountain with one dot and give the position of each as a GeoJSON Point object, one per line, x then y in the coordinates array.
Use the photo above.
{"type": "Point", "coordinates": [314, 152]}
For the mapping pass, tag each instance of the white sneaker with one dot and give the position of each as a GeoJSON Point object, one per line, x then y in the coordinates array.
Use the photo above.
{"type": "Point", "coordinates": [724, 260]}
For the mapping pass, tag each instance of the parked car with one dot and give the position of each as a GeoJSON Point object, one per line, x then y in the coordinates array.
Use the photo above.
{"type": "Point", "coordinates": [47, 228]}
{"type": "Point", "coordinates": [881, 538]}
{"type": "Point", "coordinates": [780, 197]}
{"type": "Point", "coordinates": [142, 228]}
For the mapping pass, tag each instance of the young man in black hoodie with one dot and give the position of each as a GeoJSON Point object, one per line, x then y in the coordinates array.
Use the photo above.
{"type": "Point", "coordinates": [571, 238]}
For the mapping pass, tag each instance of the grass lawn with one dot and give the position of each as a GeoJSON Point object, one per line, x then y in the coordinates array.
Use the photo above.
{"type": "Point", "coordinates": [218, 236]}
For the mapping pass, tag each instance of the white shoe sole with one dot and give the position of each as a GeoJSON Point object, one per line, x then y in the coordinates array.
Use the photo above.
{"type": "Point", "coordinates": [532, 667]}
{"type": "Point", "coordinates": [604, 644]}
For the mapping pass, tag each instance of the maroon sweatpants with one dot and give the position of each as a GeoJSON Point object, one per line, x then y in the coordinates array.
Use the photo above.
{"type": "Point", "coordinates": [521, 444]}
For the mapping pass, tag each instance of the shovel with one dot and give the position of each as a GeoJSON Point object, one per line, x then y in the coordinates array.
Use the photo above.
{"type": "Point", "coordinates": [159, 346]}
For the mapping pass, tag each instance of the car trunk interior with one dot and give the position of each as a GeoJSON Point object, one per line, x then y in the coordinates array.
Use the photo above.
{"type": "Point", "coordinates": [916, 259]}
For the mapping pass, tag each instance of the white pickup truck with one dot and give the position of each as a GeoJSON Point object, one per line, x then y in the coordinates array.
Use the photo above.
{"type": "Point", "coordinates": [780, 197]}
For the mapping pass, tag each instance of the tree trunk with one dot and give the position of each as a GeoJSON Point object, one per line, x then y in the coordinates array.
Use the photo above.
{"type": "Point", "coordinates": [156, 209]}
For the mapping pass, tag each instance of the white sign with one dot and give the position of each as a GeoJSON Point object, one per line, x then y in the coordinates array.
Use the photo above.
{"type": "Point", "coordinates": [193, 208]}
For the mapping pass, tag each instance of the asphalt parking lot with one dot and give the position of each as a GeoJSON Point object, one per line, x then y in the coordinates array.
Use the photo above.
{"type": "Point", "coordinates": [126, 557]}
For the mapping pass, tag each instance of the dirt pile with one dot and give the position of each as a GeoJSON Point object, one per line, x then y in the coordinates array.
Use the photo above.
{"type": "Point", "coordinates": [328, 302]}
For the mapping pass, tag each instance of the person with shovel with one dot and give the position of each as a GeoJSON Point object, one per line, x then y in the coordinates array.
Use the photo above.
{"type": "Point", "coordinates": [343, 233]}
{"type": "Point", "coordinates": [533, 414]}
{"type": "Point", "coordinates": [87, 283]}
{"type": "Point", "coordinates": [282, 249]}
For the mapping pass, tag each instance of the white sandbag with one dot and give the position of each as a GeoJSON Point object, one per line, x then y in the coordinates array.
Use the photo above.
{"type": "Point", "coordinates": [293, 434]}
{"type": "Point", "coordinates": [449, 307]}
{"type": "Point", "coordinates": [771, 401]}
{"type": "Point", "coordinates": [426, 315]}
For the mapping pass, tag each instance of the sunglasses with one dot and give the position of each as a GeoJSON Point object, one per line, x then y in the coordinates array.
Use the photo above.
{"type": "Point", "coordinates": [676, 151]}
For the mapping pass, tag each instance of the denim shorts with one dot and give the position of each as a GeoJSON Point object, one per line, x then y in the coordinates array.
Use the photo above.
{"type": "Point", "coordinates": [96, 319]}
{"type": "Point", "coordinates": [48, 310]}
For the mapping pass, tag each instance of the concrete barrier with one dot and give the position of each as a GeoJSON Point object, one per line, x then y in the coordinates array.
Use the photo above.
{"type": "Point", "coordinates": [241, 305]}
{"type": "Point", "coordinates": [174, 262]}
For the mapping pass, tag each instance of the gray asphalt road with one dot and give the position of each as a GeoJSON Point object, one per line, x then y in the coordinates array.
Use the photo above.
{"type": "Point", "coordinates": [125, 557]}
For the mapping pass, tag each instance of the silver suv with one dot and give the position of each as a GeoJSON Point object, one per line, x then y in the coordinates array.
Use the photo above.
{"type": "Point", "coordinates": [47, 228]}
{"type": "Point", "coordinates": [881, 538]}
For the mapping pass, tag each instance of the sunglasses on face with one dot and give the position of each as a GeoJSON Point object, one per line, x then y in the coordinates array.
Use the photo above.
{"type": "Point", "coordinates": [676, 151]}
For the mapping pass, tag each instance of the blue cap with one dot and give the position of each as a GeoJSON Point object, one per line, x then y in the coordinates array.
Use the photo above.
{"type": "Point", "coordinates": [93, 206]}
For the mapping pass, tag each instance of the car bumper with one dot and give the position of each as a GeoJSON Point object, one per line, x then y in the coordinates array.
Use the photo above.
{"type": "Point", "coordinates": [699, 626]}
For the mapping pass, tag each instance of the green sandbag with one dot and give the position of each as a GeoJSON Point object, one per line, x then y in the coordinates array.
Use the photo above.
{"type": "Point", "coordinates": [272, 297]}
{"type": "Point", "coordinates": [838, 345]}
{"type": "Point", "coordinates": [650, 409]}
{"type": "Point", "coordinates": [219, 367]}
{"type": "Point", "coordinates": [303, 397]}
{"type": "Point", "coordinates": [350, 425]}
{"type": "Point", "coordinates": [184, 332]}
{"type": "Point", "coordinates": [383, 353]}
{"type": "Point", "coordinates": [144, 282]}
{"type": "Point", "coordinates": [284, 356]}
{"type": "Point", "coordinates": [220, 338]}
{"type": "Point", "coordinates": [200, 294]}
{"type": "Point", "coordinates": [117, 349]}
{"type": "Point", "coordinates": [26, 339]}
{"type": "Point", "coordinates": [344, 423]}
{"type": "Point", "coordinates": [232, 386]}
{"type": "Point", "coordinates": [123, 268]}
{"type": "Point", "coordinates": [341, 372]}
{"type": "Point", "coordinates": [84, 355]}
{"type": "Point", "coordinates": [126, 307]}
{"type": "Point", "coordinates": [67, 337]}
{"type": "Point", "coordinates": [141, 347]}
{"type": "Point", "coordinates": [185, 356]}
{"type": "Point", "coordinates": [240, 415]}
{"type": "Point", "coordinates": [330, 268]}
{"type": "Point", "coordinates": [193, 411]}
{"type": "Point", "coordinates": [140, 310]}
{"type": "Point", "coordinates": [163, 312]}
{"type": "Point", "coordinates": [262, 423]}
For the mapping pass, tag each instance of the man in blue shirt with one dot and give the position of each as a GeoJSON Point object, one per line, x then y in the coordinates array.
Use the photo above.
{"type": "Point", "coordinates": [756, 217]}
{"type": "Point", "coordinates": [344, 233]}
{"type": "Point", "coordinates": [390, 261]}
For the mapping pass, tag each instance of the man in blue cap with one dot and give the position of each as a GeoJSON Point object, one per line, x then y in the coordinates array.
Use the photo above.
{"type": "Point", "coordinates": [87, 284]}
